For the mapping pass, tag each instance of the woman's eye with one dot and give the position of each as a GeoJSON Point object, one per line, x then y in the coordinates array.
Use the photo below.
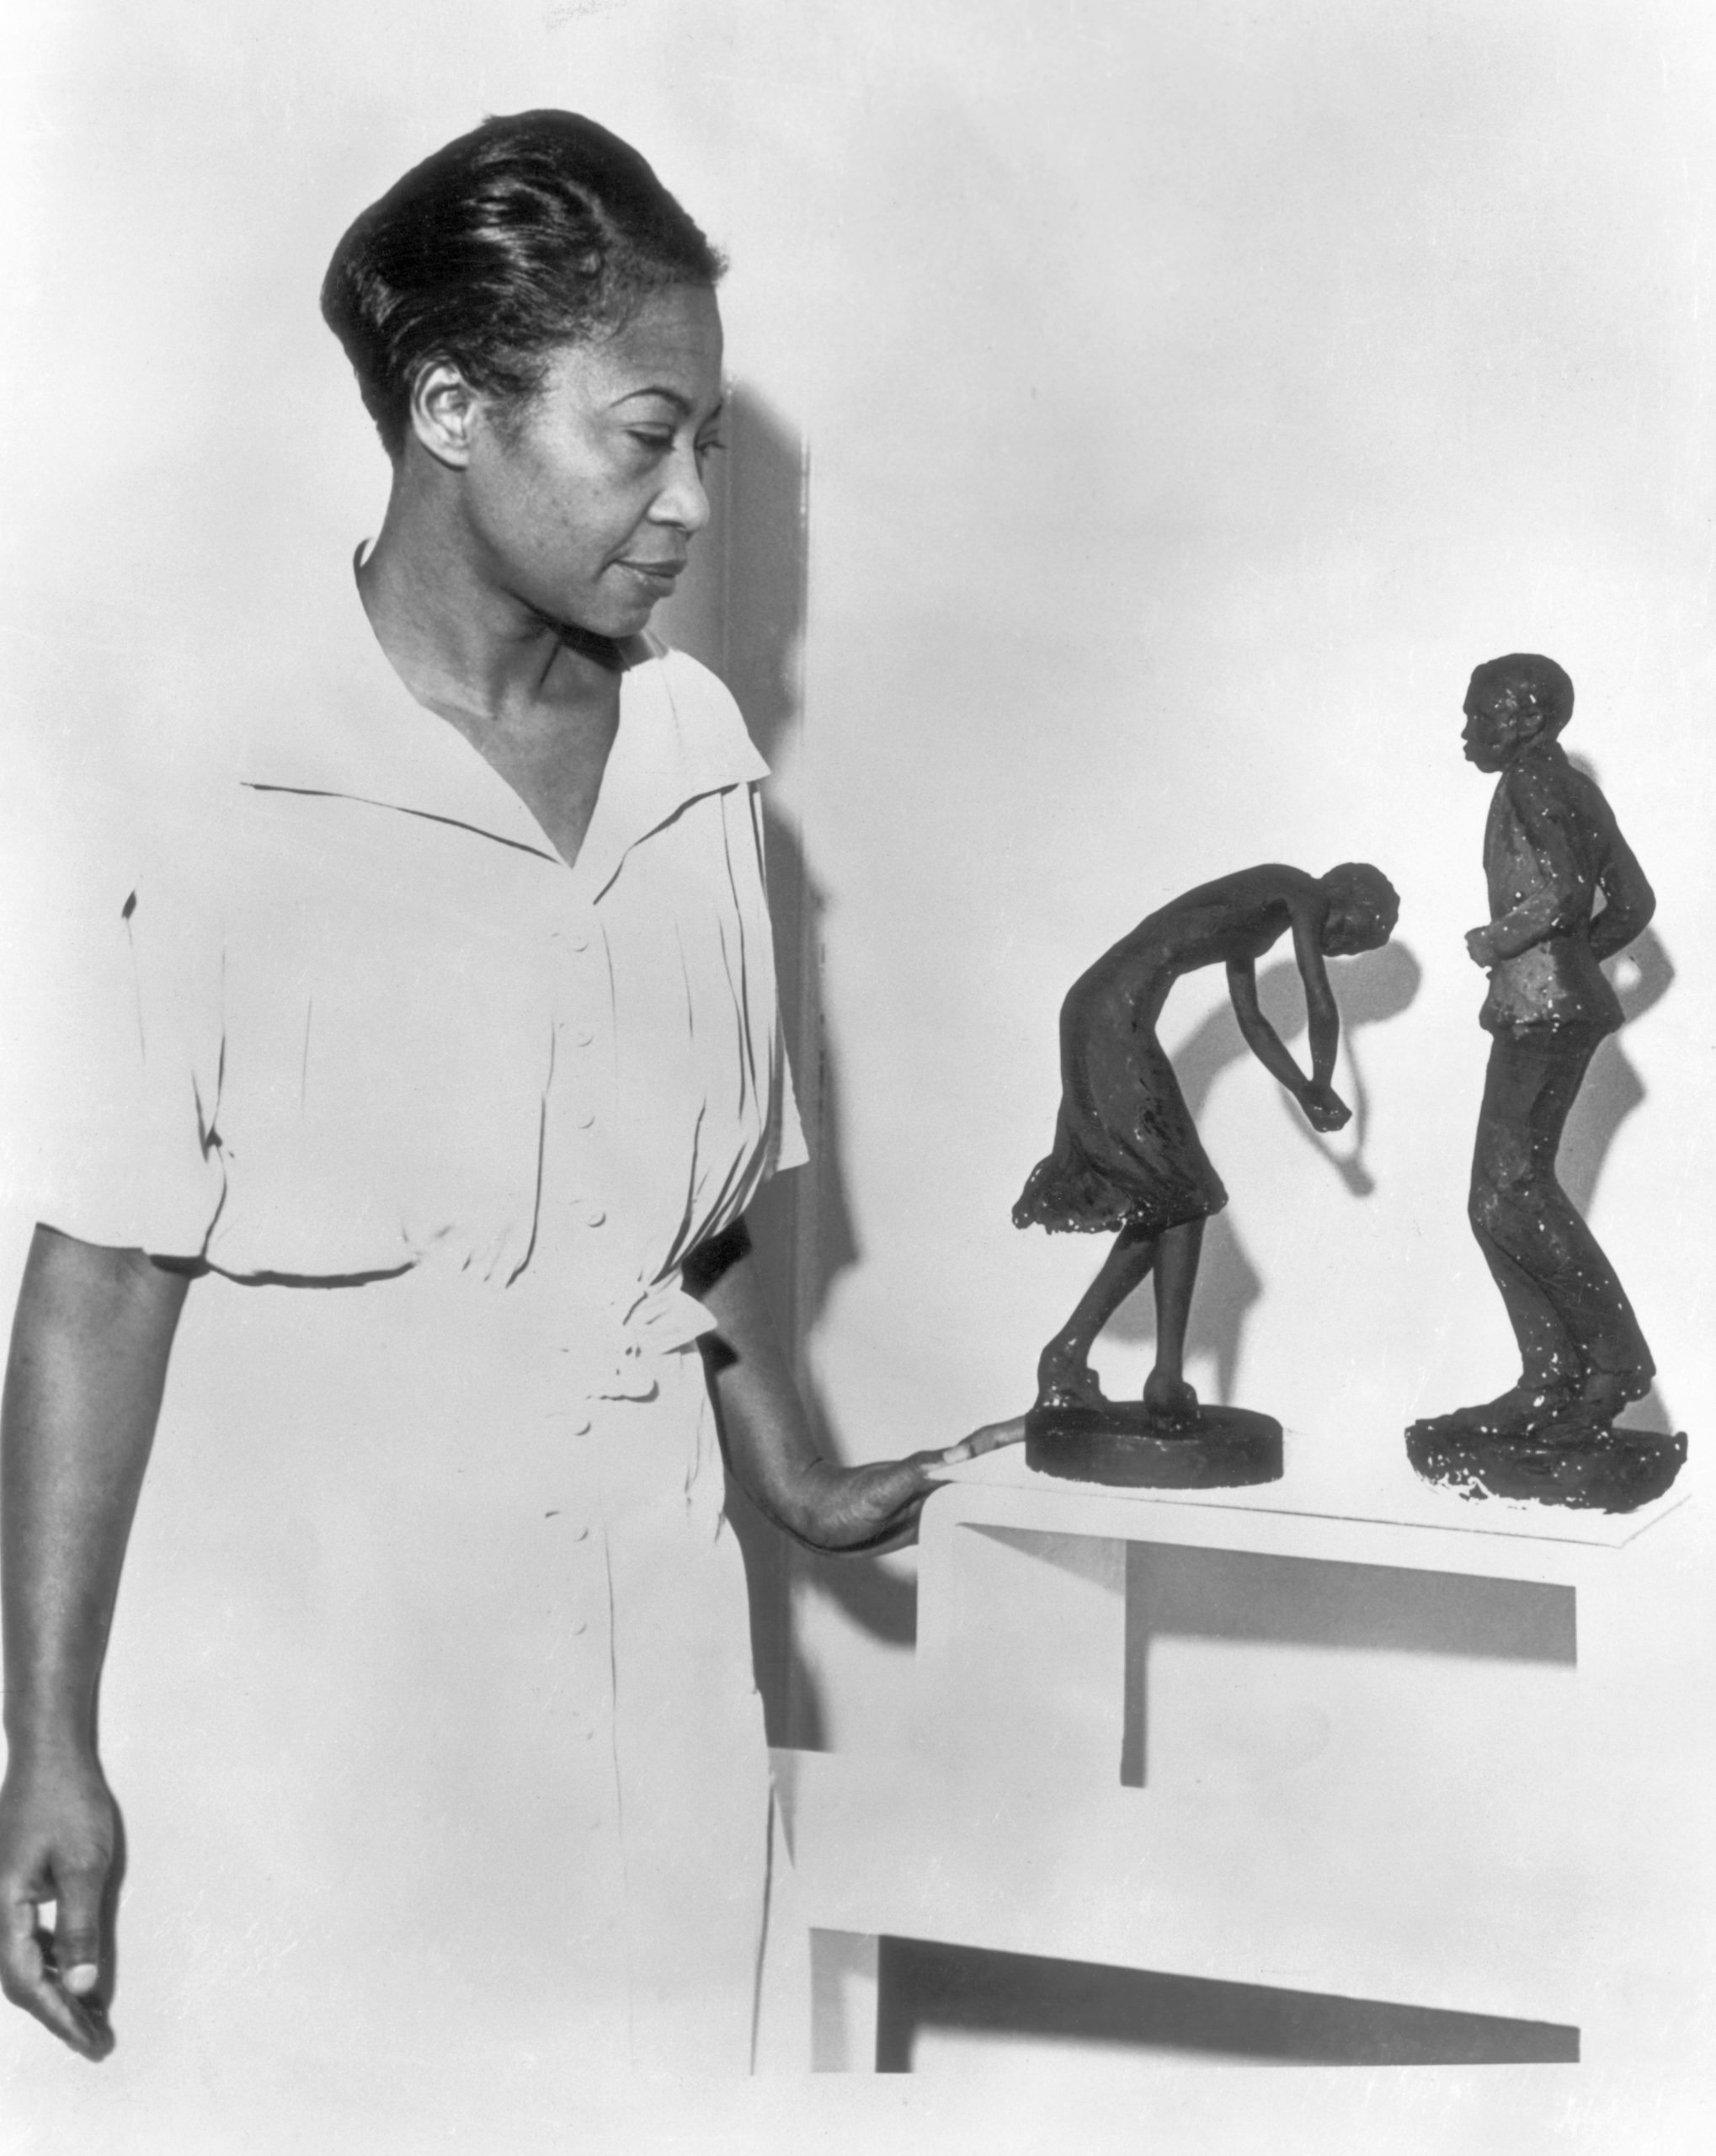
{"type": "Point", "coordinates": [712, 447]}
{"type": "Point", "coordinates": [652, 438]}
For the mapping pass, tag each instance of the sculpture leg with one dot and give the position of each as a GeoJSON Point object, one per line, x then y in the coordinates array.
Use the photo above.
{"type": "Point", "coordinates": [1165, 1390]}
{"type": "Point", "coordinates": [1575, 1328]}
{"type": "Point", "coordinates": [1064, 1377]}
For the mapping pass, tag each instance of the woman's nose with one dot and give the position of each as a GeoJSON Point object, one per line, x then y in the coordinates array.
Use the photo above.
{"type": "Point", "coordinates": [682, 501]}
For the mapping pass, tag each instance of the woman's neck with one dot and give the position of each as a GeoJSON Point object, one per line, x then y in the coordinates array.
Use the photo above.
{"type": "Point", "coordinates": [474, 654]}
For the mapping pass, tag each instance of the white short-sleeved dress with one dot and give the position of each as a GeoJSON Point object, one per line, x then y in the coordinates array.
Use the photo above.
{"type": "Point", "coordinates": [382, 1034]}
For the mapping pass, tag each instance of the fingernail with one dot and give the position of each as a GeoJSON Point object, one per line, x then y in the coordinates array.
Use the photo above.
{"type": "Point", "coordinates": [84, 1977]}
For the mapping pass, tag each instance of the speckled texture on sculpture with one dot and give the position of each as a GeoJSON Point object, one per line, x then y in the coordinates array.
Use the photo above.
{"type": "Point", "coordinates": [1552, 848]}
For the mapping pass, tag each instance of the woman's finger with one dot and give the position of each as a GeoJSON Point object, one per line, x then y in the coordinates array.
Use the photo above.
{"type": "Point", "coordinates": [77, 1930]}
{"type": "Point", "coordinates": [29, 1981]}
{"type": "Point", "coordinates": [989, 1439]}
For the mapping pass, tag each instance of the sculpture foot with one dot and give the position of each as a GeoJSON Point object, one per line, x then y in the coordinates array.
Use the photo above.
{"type": "Point", "coordinates": [1521, 1411]}
{"type": "Point", "coordinates": [1068, 1381]}
{"type": "Point", "coordinates": [1172, 1403]}
{"type": "Point", "coordinates": [1604, 1393]}
{"type": "Point", "coordinates": [1587, 1463]}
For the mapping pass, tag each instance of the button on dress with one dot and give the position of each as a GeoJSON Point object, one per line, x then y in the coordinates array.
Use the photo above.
{"type": "Point", "coordinates": [378, 1038]}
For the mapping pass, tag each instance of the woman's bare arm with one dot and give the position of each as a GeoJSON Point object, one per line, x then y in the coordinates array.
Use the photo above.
{"type": "Point", "coordinates": [90, 1344]}
{"type": "Point", "coordinates": [767, 1433]}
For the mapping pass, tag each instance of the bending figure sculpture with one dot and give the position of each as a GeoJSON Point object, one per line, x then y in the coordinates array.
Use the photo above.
{"type": "Point", "coordinates": [1126, 1159]}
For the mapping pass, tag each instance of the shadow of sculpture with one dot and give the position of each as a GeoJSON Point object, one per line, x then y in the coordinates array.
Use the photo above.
{"type": "Point", "coordinates": [1641, 976]}
{"type": "Point", "coordinates": [1373, 988]}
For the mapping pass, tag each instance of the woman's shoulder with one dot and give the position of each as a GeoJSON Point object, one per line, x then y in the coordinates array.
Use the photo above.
{"type": "Point", "coordinates": [691, 681]}
{"type": "Point", "coordinates": [711, 723]}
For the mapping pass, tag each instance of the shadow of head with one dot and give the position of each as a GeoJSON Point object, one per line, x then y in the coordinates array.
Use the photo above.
{"type": "Point", "coordinates": [740, 607]}
{"type": "Point", "coordinates": [1377, 986]}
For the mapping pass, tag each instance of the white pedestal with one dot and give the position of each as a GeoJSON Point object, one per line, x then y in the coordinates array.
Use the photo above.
{"type": "Point", "coordinates": [1240, 1735]}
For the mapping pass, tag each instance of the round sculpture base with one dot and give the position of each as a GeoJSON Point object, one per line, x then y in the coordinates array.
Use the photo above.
{"type": "Point", "coordinates": [1615, 1471]}
{"type": "Point", "coordinates": [1121, 1444]}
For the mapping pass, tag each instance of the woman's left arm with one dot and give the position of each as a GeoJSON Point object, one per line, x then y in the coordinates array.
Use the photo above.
{"type": "Point", "coordinates": [767, 1432]}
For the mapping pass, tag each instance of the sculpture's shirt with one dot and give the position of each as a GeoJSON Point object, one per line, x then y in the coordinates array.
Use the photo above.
{"type": "Point", "coordinates": [1550, 846]}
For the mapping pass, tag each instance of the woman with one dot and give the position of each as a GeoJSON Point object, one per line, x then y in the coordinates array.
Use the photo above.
{"type": "Point", "coordinates": [1125, 1155]}
{"type": "Point", "coordinates": [467, 982]}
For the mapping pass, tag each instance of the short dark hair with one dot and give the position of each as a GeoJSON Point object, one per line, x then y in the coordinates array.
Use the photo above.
{"type": "Point", "coordinates": [1537, 684]}
{"type": "Point", "coordinates": [534, 230]}
{"type": "Point", "coordinates": [1356, 883]}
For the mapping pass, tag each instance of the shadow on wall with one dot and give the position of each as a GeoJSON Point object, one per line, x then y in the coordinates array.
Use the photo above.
{"type": "Point", "coordinates": [1232, 1595]}
{"type": "Point", "coordinates": [1084, 2010]}
{"type": "Point", "coordinates": [1641, 976]}
{"type": "Point", "coordinates": [1372, 988]}
{"type": "Point", "coordinates": [742, 611]}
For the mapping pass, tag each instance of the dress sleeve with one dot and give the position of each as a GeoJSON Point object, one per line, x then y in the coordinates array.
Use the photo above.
{"type": "Point", "coordinates": [126, 1149]}
{"type": "Point", "coordinates": [786, 1147]}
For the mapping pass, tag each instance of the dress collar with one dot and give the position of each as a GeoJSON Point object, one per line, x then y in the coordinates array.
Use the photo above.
{"type": "Point", "coordinates": [366, 739]}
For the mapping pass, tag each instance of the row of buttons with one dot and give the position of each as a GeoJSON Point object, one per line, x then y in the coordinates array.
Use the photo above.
{"type": "Point", "coordinates": [594, 1214]}
{"type": "Point", "coordinates": [578, 939]}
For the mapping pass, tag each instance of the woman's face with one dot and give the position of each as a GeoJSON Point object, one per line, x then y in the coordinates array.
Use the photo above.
{"type": "Point", "coordinates": [582, 504]}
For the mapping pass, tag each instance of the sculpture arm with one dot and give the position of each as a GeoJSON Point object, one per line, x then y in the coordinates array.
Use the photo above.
{"type": "Point", "coordinates": [90, 1344]}
{"type": "Point", "coordinates": [1260, 1036]}
{"type": "Point", "coordinates": [1321, 1106]}
{"type": "Point", "coordinates": [766, 1433]}
{"type": "Point", "coordinates": [1562, 898]}
{"type": "Point", "coordinates": [1628, 901]}
{"type": "Point", "coordinates": [1322, 1013]}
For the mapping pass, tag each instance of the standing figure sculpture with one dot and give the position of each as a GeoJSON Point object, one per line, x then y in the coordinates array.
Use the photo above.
{"type": "Point", "coordinates": [1552, 848]}
{"type": "Point", "coordinates": [1127, 1158]}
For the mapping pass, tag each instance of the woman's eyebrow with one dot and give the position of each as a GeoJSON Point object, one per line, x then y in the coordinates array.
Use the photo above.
{"type": "Point", "coordinates": [677, 397]}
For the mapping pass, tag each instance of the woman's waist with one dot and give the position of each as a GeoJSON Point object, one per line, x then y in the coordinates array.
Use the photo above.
{"type": "Point", "coordinates": [600, 1337]}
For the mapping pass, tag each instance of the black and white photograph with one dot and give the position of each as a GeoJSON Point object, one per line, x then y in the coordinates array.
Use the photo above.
{"type": "Point", "coordinates": [856, 1149]}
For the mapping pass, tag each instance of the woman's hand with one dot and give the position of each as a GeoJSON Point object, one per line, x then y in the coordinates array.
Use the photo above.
{"type": "Point", "coordinates": [1324, 1109]}
{"type": "Point", "coordinates": [767, 1435]}
{"type": "Point", "coordinates": [89, 1348]}
{"type": "Point", "coordinates": [58, 1833]}
{"type": "Point", "coordinates": [843, 1511]}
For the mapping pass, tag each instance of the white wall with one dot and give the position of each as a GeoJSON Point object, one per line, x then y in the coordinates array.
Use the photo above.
{"type": "Point", "coordinates": [1193, 394]}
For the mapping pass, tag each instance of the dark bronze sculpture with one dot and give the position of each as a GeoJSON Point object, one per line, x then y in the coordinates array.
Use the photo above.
{"type": "Point", "coordinates": [1126, 1159]}
{"type": "Point", "coordinates": [1552, 848]}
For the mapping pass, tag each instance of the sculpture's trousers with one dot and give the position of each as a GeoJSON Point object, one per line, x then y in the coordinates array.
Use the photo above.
{"type": "Point", "coordinates": [1568, 1311]}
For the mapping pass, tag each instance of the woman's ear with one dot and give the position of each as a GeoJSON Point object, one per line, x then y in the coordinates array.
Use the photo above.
{"type": "Point", "coordinates": [444, 414]}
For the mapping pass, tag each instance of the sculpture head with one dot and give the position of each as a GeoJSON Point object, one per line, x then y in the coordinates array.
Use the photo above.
{"type": "Point", "coordinates": [1363, 907]}
{"type": "Point", "coordinates": [1513, 704]}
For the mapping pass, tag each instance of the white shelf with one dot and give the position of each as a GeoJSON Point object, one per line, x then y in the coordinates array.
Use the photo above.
{"type": "Point", "coordinates": [1250, 1736]}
